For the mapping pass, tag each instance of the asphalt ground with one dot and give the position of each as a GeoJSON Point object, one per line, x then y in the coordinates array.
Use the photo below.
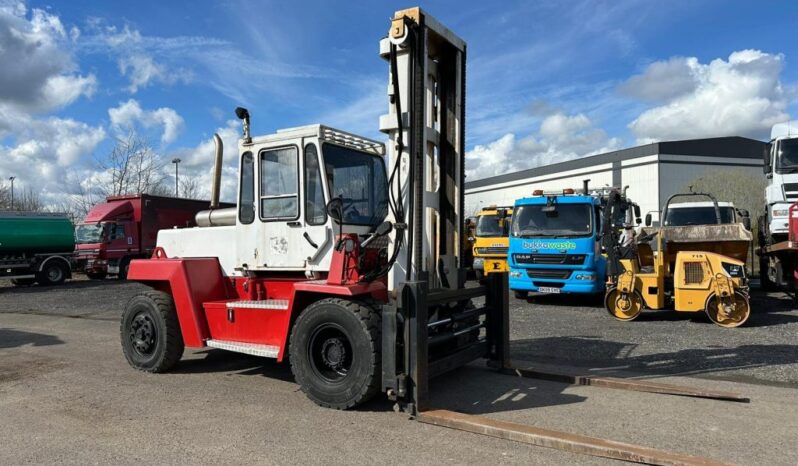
{"type": "Point", "coordinates": [67, 395]}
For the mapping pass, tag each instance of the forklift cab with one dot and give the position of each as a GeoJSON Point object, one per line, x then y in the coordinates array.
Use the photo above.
{"type": "Point", "coordinates": [286, 181]}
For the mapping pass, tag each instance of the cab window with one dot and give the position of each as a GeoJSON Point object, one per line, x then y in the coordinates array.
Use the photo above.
{"type": "Point", "coordinates": [279, 197]}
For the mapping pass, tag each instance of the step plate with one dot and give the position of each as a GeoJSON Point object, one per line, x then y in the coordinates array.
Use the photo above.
{"type": "Point", "coordinates": [264, 351]}
{"type": "Point", "coordinates": [275, 304]}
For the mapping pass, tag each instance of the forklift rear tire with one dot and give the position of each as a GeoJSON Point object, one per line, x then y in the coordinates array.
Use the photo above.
{"type": "Point", "coordinates": [53, 273]}
{"type": "Point", "coordinates": [335, 352]}
{"type": "Point", "coordinates": [521, 294]}
{"type": "Point", "coordinates": [150, 332]}
{"type": "Point", "coordinates": [624, 310]}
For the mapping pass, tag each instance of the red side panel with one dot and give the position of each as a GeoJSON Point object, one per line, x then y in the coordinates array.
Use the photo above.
{"type": "Point", "coordinates": [793, 223]}
{"type": "Point", "coordinates": [192, 282]}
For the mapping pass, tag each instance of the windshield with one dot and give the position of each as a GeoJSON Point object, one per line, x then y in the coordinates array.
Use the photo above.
{"type": "Point", "coordinates": [488, 226]}
{"type": "Point", "coordinates": [566, 220]}
{"type": "Point", "coordinates": [89, 233]}
{"type": "Point", "coordinates": [359, 180]}
{"type": "Point", "coordinates": [676, 217]}
{"type": "Point", "coordinates": [788, 155]}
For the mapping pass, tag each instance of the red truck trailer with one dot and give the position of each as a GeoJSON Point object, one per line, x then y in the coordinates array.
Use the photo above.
{"type": "Point", "coordinates": [126, 227]}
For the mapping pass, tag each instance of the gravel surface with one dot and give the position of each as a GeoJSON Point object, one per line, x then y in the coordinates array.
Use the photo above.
{"type": "Point", "coordinates": [71, 397]}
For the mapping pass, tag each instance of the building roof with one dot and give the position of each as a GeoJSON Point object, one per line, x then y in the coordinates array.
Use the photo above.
{"type": "Point", "coordinates": [734, 147]}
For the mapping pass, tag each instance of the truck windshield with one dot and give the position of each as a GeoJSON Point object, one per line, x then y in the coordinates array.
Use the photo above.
{"type": "Point", "coordinates": [788, 155]}
{"type": "Point", "coordinates": [489, 226]}
{"type": "Point", "coordinates": [359, 180]}
{"type": "Point", "coordinates": [88, 233]}
{"type": "Point", "coordinates": [677, 217]}
{"type": "Point", "coordinates": [565, 220]}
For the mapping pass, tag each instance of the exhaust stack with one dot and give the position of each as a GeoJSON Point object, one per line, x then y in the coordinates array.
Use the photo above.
{"type": "Point", "coordinates": [216, 216]}
{"type": "Point", "coordinates": [217, 170]}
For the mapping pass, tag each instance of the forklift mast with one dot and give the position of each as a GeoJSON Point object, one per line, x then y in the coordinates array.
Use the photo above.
{"type": "Point", "coordinates": [425, 125]}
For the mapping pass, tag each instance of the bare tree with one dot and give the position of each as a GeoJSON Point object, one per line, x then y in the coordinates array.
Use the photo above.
{"type": "Point", "coordinates": [28, 200]}
{"type": "Point", "coordinates": [189, 187]}
{"type": "Point", "coordinates": [134, 167]}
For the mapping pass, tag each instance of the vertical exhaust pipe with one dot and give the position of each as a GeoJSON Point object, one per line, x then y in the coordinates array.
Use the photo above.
{"type": "Point", "coordinates": [217, 171]}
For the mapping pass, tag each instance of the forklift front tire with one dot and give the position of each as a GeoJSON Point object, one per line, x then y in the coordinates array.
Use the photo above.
{"type": "Point", "coordinates": [335, 352]}
{"type": "Point", "coordinates": [150, 332]}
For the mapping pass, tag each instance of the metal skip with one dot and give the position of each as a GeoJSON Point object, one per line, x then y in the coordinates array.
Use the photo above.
{"type": "Point", "coordinates": [573, 443]}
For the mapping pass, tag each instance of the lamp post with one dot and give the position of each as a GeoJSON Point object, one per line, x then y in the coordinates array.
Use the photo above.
{"type": "Point", "coordinates": [12, 191]}
{"type": "Point", "coordinates": [176, 161]}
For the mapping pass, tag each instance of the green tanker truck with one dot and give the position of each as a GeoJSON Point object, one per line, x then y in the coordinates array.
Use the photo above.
{"type": "Point", "coordinates": [36, 247]}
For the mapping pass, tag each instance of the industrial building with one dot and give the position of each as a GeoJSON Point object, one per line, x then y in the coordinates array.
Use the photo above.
{"type": "Point", "coordinates": [653, 172]}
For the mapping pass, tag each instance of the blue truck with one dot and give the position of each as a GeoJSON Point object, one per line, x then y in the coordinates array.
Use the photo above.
{"type": "Point", "coordinates": [555, 242]}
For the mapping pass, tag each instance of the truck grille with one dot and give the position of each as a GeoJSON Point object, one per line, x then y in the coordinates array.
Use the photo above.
{"type": "Point", "coordinates": [554, 259]}
{"type": "Point", "coordinates": [693, 272]}
{"type": "Point", "coordinates": [495, 251]}
{"type": "Point", "coordinates": [555, 274]}
{"type": "Point", "coordinates": [791, 191]}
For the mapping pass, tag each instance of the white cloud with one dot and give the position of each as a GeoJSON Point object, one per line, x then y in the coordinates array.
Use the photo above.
{"type": "Point", "coordinates": [739, 96]}
{"type": "Point", "coordinates": [560, 137]}
{"type": "Point", "coordinates": [142, 71]}
{"type": "Point", "coordinates": [38, 71]}
{"type": "Point", "coordinates": [129, 115]}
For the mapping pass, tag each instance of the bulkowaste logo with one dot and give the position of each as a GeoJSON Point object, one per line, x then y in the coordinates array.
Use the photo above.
{"type": "Point", "coordinates": [537, 244]}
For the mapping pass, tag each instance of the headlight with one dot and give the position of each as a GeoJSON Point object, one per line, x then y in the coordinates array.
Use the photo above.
{"type": "Point", "coordinates": [780, 212]}
{"type": "Point", "coordinates": [585, 277]}
{"type": "Point", "coordinates": [734, 270]}
{"type": "Point", "coordinates": [515, 274]}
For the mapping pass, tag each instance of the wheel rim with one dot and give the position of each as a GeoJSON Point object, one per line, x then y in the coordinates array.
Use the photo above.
{"type": "Point", "coordinates": [54, 273]}
{"type": "Point", "coordinates": [330, 351]}
{"type": "Point", "coordinates": [143, 334]}
{"type": "Point", "coordinates": [729, 316]}
{"type": "Point", "coordinates": [623, 306]}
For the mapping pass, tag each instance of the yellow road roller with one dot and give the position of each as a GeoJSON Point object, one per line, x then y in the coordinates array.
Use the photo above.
{"type": "Point", "coordinates": [689, 268]}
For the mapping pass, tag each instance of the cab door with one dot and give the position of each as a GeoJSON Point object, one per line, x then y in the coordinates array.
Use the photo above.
{"type": "Point", "coordinates": [316, 236]}
{"type": "Point", "coordinates": [279, 207]}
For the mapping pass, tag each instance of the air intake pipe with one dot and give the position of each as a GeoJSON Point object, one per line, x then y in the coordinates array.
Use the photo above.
{"type": "Point", "coordinates": [216, 216]}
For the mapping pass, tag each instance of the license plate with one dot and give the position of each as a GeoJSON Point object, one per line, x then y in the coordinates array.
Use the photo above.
{"type": "Point", "coordinates": [548, 289]}
{"type": "Point", "coordinates": [113, 269]}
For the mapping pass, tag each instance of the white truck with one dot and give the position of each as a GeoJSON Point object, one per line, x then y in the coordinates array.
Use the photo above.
{"type": "Point", "coordinates": [781, 170]}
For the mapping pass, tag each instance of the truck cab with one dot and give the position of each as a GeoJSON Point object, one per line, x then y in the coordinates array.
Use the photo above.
{"type": "Point", "coordinates": [555, 244]}
{"type": "Point", "coordinates": [781, 170]}
{"type": "Point", "coordinates": [491, 240]}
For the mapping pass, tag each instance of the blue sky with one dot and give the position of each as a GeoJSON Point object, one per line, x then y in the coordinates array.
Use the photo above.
{"type": "Point", "coordinates": [547, 81]}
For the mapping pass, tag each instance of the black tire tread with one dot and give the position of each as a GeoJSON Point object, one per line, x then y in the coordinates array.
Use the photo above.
{"type": "Point", "coordinates": [369, 316]}
{"type": "Point", "coordinates": [165, 306]}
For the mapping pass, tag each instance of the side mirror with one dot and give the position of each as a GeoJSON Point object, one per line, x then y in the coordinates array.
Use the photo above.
{"type": "Point", "coordinates": [648, 220]}
{"type": "Point", "coordinates": [766, 167]}
{"type": "Point", "coordinates": [744, 213]}
{"type": "Point", "coordinates": [335, 209]}
{"type": "Point", "coordinates": [638, 221]}
{"type": "Point", "coordinates": [747, 222]}
{"type": "Point", "coordinates": [636, 209]}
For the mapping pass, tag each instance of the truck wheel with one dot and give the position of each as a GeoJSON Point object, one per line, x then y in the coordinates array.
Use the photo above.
{"type": "Point", "coordinates": [733, 317]}
{"type": "Point", "coordinates": [96, 275]}
{"type": "Point", "coordinates": [150, 331]}
{"type": "Point", "coordinates": [335, 352]}
{"type": "Point", "coordinates": [765, 273]}
{"type": "Point", "coordinates": [53, 273]}
{"type": "Point", "coordinates": [521, 294]}
{"type": "Point", "coordinates": [622, 307]}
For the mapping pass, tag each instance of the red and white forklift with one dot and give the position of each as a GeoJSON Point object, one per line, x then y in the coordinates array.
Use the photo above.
{"type": "Point", "coordinates": [351, 270]}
